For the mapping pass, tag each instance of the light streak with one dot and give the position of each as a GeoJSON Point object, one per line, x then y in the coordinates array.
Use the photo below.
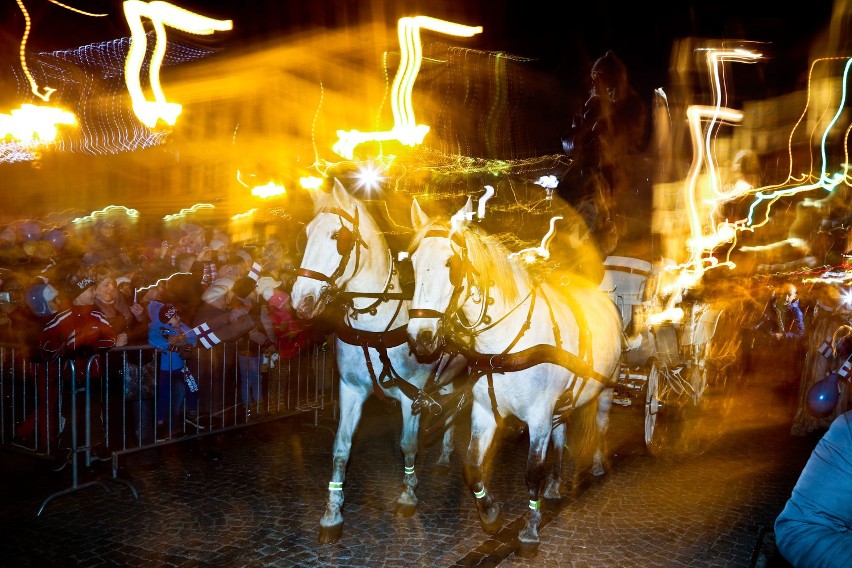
{"type": "Point", "coordinates": [480, 208]}
{"type": "Point", "coordinates": [36, 90]}
{"type": "Point", "coordinates": [184, 212]}
{"type": "Point", "coordinates": [134, 213]}
{"type": "Point", "coordinates": [310, 182]}
{"type": "Point", "coordinates": [530, 255]}
{"type": "Point", "coordinates": [160, 14]}
{"type": "Point", "coordinates": [73, 9]}
{"type": "Point", "coordinates": [240, 216]}
{"type": "Point", "coordinates": [405, 129]}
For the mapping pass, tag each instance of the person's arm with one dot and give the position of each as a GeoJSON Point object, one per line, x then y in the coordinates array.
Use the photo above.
{"type": "Point", "coordinates": [797, 329]}
{"type": "Point", "coordinates": [815, 527]}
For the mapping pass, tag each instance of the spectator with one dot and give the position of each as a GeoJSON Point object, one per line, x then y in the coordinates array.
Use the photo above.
{"type": "Point", "coordinates": [813, 529]}
{"type": "Point", "coordinates": [826, 351]}
{"type": "Point", "coordinates": [173, 340]}
{"type": "Point", "coordinates": [77, 333]}
{"type": "Point", "coordinates": [184, 289]}
{"type": "Point", "coordinates": [253, 345]}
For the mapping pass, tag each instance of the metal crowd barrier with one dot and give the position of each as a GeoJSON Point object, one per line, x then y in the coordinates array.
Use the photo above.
{"type": "Point", "coordinates": [118, 394]}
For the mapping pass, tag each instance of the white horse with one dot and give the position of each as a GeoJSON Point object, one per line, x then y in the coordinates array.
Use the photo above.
{"type": "Point", "coordinates": [347, 257]}
{"type": "Point", "coordinates": [536, 352]}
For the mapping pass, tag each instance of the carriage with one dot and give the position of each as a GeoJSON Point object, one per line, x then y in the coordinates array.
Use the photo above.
{"type": "Point", "coordinates": [665, 366]}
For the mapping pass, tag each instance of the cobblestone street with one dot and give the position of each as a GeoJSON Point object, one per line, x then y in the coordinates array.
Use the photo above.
{"type": "Point", "coordinates": [705, 501]}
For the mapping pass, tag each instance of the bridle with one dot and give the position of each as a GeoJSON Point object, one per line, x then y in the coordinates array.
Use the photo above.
{"type": "Point", "coordinates": [347, 241]}
{"type": "Point", "coordinates": [461, 271]}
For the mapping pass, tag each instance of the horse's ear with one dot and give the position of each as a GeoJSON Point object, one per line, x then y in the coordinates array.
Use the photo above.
{"type": "Point", "coordinates": [343, 197]}
{"type": "Point", "coordinates": [419, 219]}
{"type": "Point", "coordinates": [463, 216]}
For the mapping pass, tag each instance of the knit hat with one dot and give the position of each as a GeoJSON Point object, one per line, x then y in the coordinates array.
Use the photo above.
{"type": "Point", "coordinates": [279, 300]}
{"type": "Point", "coordinates": [121, 280]}
{"type": "Point", "coordinates": [244, 286]}
{"type": "Point", "coordinates": [167, 312]}
{"type": "Point", "coordinates": [266, 285]}
{"type": "Point", "coordinates": [219, 288]}
{"type": "Point", "coordinates": [76, 284]}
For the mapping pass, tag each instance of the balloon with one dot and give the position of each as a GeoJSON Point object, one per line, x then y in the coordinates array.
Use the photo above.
{"type": "Point", "coordinates": [30, 231]}
{"type": "Point", "coordinates": [36, 301]}
{"type": "Point", "coordinates": [57, 237]}
{"type": "Point", "coordinates": [823, 395]}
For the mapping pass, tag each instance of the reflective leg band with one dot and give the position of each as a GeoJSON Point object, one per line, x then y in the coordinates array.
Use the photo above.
{"type": "Point", "coordinates": [480, 494]}
{"type": "Point", "coordinates": [335, 486]}
{"type": "Point", "coordinates": [535, 505]}
{"type": "Point", "coordinates": [409, 470]}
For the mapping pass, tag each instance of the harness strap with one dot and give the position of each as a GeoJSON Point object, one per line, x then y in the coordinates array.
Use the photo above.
{"type": "Point", "coordinates": [482, 364]}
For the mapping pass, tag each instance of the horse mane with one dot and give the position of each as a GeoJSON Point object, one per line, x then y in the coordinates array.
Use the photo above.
{"type": "Point", "coordinates": [488, 257]}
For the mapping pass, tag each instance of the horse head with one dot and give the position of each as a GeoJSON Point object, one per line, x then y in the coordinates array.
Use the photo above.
{"type": "Point", "coordinates": [332, 251]}
{"type": "Point", "coordinates": [441, 273]}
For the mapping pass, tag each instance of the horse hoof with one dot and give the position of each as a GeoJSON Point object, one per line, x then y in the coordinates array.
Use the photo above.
{"type": "Point", "coordinates": [405, 509]}
{"type": "Point", "coordinates": [493, 527]}
{"type": "Point", "coordinates": [527, 549]}
{"type": "Point", "coordinates": [330, 535]}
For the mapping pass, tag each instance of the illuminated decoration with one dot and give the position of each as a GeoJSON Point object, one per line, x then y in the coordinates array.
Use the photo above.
{"type": "Point", "coordinates": [530, 255]}
{"type": "Point", "coordinates": [549, 183]}
{"type": "Point", "coordinates": [271, 189]}
{"type": "Point", "coordinates": [185, 212]}
{"type": "Point", "coordinates": [106, 211]}
{"type": "Point", "coordinates": [160, 14]}
{"type": "Point", "coordinates": [34, 124]}
{"type": "Point", "coordinates": [369, 178]}
{"type": "Point", "coordinates": [405, 128]}
{"type": "Point", "coordinates": [241, 216]}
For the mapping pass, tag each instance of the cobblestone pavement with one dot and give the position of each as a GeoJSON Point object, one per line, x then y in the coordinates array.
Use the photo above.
{"type": "Point", "coordinates": [703, 501]}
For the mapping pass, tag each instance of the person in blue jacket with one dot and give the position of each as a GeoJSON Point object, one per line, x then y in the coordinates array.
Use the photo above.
{"type": "Point", "coordinates": [174, 340]}
{"type": "Point", "coordinates": [815, 528]}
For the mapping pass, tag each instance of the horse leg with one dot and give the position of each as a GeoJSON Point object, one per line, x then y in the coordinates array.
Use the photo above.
{"type": "Point", "coordinates": [553, 487]}
{"type": "Point", "coordinates": [351, 405]}
{"type": "Point", "coordinates": [407, 502]}
{"type": "Point", "coordinates": [604, 405]}
{"type": "Point", "coordinates": [528, 539]}
{"type": "Point", "coordinates": [483, 427]}
{"type": "Point", "coordinates": [447, 442]}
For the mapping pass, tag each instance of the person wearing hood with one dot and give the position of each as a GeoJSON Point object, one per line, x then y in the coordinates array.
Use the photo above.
{"type": "Point", "coordinates": [174, 341]}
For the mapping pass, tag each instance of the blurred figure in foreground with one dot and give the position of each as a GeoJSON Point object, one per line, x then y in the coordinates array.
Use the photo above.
{"type": "Point", "coordinates": [813, 530]}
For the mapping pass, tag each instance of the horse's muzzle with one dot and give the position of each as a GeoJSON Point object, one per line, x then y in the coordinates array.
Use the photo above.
{"type": "Point", "coordinates": [311, 306]}
{"type": "Point", "coordinates": [425, 343]}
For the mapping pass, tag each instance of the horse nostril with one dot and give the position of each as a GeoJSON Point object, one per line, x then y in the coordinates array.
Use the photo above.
{"type": "Point", "coordinates": [425, 337]}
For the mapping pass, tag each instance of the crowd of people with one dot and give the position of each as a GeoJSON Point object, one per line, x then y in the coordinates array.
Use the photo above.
{"type": "Point", "coordinates": [68, 295]}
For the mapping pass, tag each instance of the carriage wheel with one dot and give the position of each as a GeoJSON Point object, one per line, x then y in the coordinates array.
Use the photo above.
{"type": "Point", "coordinates": [652, 407]}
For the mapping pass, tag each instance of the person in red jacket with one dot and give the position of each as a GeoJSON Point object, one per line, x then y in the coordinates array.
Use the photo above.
{"type": "Point", "coordinates": [77, 333]}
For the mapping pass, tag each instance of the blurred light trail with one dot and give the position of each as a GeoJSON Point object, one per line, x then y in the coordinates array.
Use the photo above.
{"type": "Point", "coordinates": [160, 14]}
{"type": "Point", "coordinates": [45, 96]}
{"type": "Point", "coordinates": [405, 128]}
{"type": "Point", "coordinates": [530, 255]}
{"type": "Point", "coordinates": [133, 213]}
{"type": "Point", "coordinates": [184, 212]}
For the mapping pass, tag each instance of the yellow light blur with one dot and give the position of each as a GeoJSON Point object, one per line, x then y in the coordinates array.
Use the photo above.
{"type": "Point", "coordinates": [32, 123]}
{"type": "Point", "coordinates": [184, 212]}
{"type": "Point", "coordinates": [671, 315]}
{"type": "Point", "coordinates": [310, 182]}
{"type": "Point", "coordinates": [271, 189]}
{"type": "Point", "coordinates": [530, 255]}
{"type": "Point", "coordinates": [160, 14]}
{"type": "Point", "coordinates": [405, 128]}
